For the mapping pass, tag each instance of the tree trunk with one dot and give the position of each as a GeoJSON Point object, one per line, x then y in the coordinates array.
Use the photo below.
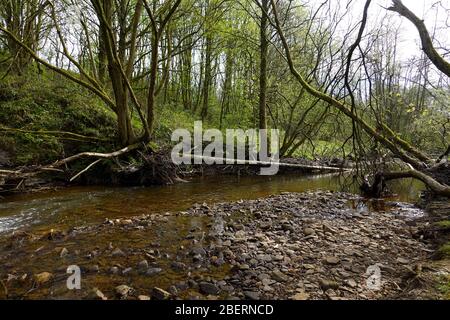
{"type": "Point", "coordinates": [208, 77]}
{"type": "Point", "coordinates": [264, 47]}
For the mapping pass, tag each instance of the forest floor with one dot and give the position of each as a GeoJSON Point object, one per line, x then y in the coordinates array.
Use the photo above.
{"type": "Point", "coordinates": [318, 245]}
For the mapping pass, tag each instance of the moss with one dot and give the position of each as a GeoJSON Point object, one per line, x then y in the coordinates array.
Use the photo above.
{"type": "Point", "coordinates": [444, 287]}
{"type": "Point", "coordinates": [444, 251]}
{"type": "Point", "coordinates": [47, 102]}
{"type": "Point", "coordinates": [445, 225]}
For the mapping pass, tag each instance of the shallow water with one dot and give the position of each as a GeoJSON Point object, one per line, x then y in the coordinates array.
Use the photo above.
{"type": "Point", "coordinates": [86, 205]}
{"type": "Point", "coordinates": [77, 207]}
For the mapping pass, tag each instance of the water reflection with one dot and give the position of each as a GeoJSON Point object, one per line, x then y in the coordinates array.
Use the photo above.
{"type": "Point", "coordinates": [77, 206]}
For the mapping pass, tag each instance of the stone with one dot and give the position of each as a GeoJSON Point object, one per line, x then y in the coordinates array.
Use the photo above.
{"type": "Point", "coordinates": [143, 265]}
{"type": "Point", "coordinates": [309, 232]}
{"type": "Point", "coordinates": [153, 271]}
{"type": "Point", "coordinates": [240, 234]}
{"type": "Point", "coordinates": [43, 277]}
{"type": "Point", "coordinates": [351, 283]}
{"type": "Point", "coordinates": [118, 253]}
{"type": "Point", "coordinates": [114, 270]}
{"type": "Point", "coordinates": [328, 284]}
{"type": "Point", "coordinates": [251, 295]}
{"type": "Point", "coordinates": [403, 261]}
{"type": "Point", "coordinates": [123, 291]}
{"type": "Point", "coordinates": [268, 289]}
{"type": "Point", "coordinates": [173, 290]}
{"type": "Point", "coordinates": [331, 260]}
{"type": "Point", "coordinates": [127, 271]}
{"type": "Point", "coordinates": [160, 294]}
{"type": "Point", "coordinates": [64, 252]}
{"type": "Point", "coordinates": [199, 251]}
{"type": "Point", "coordinates": [182, 286]}
{"type": "Point", "coordinates": [301, 296]}
{"type": "Point", "coordinates": [96, 294]}
{"type": "Point", "coordinates": [267, 282]}
{"type": "Point", "coordinates": [327, 228]}
{"type": "Point", "coordinates": [94, 269]}
{"type": "Point", "coordinates": [208, 288]}
{"type": "Point", "coordinates": [178, 266]}
{"type": "Point", "coordinates": [279, 276]}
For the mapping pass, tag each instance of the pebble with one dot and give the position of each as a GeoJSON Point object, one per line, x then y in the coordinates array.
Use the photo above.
{"type": "Point", "coordinates": [118, 253]}
{"type": "Point", "coordinates": [123, 291]}
{"type": "Point", "coordinates": [143, 265]}
{"type": "Point", "coordinates": [332, 260]}
{"type": "Point", "coordinates": [114, 270]}
{"type": "Point", "coordinates": [329, 284]}
{"type": "Point", "coordinates": [153, 271]}
{"type": "Point", "coordinates": [208, 288]}
{"type": "Point", "coordinates": [178, 266]}
{"type": "Point", "coordinates": [251, 295]}
{"type": "Point", "coordinates": [301, 296]}
{"type": "Point", "coordinates": [160, 294]}
{"type": "Point", "coordinates": [279, 276]}
{"type": "Point", "coordinates": [96, 294]}
{"type": "Point", "coordinates": [64, 252]}
{"type": "Point", "coordinates": [43, 278]}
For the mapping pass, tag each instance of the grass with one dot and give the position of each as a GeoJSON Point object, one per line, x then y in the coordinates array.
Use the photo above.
{"type": "Point", "coordinates": [47, 102]}
{"type": "Point", "coordinates": [444, 286]}
{"type": "Point", "coordinates": [444, 251]}
{"type": "Point", "coordinates": [444, 225]}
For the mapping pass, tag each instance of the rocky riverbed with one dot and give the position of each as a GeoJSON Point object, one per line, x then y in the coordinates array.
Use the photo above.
{"type": "Point", "coordinates": [319, 245]}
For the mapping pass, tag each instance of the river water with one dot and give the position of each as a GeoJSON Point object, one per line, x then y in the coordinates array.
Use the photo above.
{"type": "Point", "coordinates": [79, 206]}
{"type": "Point", "coordinates": [40, 213]}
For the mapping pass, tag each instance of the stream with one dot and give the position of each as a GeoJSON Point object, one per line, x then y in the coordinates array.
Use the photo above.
{"type": "Point", "coordinates": [129, 240]}
{"type": "Point", "coordinates": [77, 206]}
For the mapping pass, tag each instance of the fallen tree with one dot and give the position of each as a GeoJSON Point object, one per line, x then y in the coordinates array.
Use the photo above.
{"type": "Point", "coordinates": [150, 169]}
{"type": "Point", "coordinates": [27, 172]}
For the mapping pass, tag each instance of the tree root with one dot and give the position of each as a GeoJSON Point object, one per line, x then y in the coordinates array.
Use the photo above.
{"type": "Point", "coordinates": [377, 188]}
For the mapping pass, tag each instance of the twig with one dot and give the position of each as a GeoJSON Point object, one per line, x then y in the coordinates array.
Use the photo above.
{"type": "Point", "coordinates": [4, 288]}
{"type": "Point", "coordinates": [85, 170]}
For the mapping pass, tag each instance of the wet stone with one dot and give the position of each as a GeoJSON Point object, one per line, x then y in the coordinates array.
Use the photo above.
{"type": "Point", "coordinates": [208, 288]}
{"type": "Point", "coordinates": [153, 271]}
{"type": "Point", "coordinates": [123, 291]}
{"type": "Point", "coordinates": [251, 295]}
{"type": "Point", "coordinates": [160, 294]}
{"type": "Point", "coordinates": [143, 265]}
{"type": "Point", "coordinates": [118, 253]}
{"type": "Point", "coordinates": [331, 260]}
{"type": "Point", "coordinates": [96, 294]}
{"type": "Point", "coordinates": [328, 284]}
{"type": "Point", "coordinates": [279, 276]}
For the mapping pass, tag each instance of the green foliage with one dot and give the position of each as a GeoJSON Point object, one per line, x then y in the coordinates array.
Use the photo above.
{"type": "Point", "coordinates": [320, 149]}
{"type": "Point", "coordinates": [444, 287]}
{"type": "Point", "coordinates": [47, 102]}
{"type": "Point", "coordinates": [445, 225]}
{"type": "Point", "coordinates": [172, 117]}
{"type": "Point", "coordinates": [444, 251]}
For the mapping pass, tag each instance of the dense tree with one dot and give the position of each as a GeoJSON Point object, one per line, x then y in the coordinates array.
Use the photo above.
{"type": "Point", "coordinates": [222, 61]}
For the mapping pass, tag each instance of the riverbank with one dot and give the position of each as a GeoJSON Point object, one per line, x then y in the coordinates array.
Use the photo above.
{"type": "Point", "coordinates": [155, 169]}
{"type": "Point", "coordinates": [316, 245]}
